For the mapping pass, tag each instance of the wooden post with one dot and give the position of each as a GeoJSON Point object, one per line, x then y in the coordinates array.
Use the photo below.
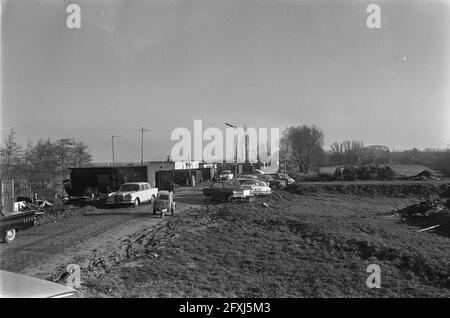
{"type": "Point", "coordinates": [7, 195]}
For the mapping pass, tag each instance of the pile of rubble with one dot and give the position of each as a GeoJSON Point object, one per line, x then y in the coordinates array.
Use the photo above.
{"type": "Point", "coordinates": [424, 175]}
{"type": "Point", "coordinates": [364, 173]}
{"type": "Point", "coordinates": [426, 209]}
{"type": "Point", "coordinates": [429, 215]}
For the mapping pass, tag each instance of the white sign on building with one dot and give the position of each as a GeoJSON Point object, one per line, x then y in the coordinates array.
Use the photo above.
{"type": "Point", "coordinates": [181, 165]}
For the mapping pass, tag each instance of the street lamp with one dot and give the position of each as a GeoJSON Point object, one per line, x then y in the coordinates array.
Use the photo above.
{"type": "Point", "coordinates": [235, 148]}
{"type": "Point", "coordinates": [112, 143]}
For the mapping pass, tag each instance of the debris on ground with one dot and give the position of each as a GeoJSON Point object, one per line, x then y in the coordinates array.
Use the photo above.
{"type": "Point", "coordinates": [96, 200]}
{"type": "Point", "coordinates": [51, 216]}
{"type": "Point", "coordinates": [424, 209]}
{"type": "Point", "coordinates": [429, 228]}
{"type": "Point", "coordinates": [428, 215]}
{"type": "Point", "coordinates": [424, 175]}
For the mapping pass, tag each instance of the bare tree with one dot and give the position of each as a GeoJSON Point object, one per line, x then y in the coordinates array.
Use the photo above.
{"type": "Point", "coordinates": [301, 145]}
{"type": "Point", "coordinates": [63, 149]}
{"type": "Point", "coordinates": [79, 154]}
{"type": "Point", "coordinates": [45, 161]}
{"type": "Point", "coordinates": [347, 151]}
{"type": "Point", "coordinates": [10, 154]}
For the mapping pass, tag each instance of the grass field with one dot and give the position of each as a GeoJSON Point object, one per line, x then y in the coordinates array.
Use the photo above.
{"type": "Point", "coordinates": [298, 246]}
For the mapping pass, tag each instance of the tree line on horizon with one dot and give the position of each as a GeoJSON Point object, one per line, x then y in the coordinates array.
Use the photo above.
{"type": "Point", "coordinates": [41, 163]}
{"type": "Point", "coordinates": [301, 147]}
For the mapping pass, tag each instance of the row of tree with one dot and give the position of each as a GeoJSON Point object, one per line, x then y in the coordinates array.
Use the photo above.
{"type": "Point", "coordinates": [302, 147]}
{"type": "Point", "coordinates": [43, 162]}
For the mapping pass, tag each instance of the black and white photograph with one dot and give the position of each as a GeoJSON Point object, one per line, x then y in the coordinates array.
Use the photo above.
{"type": "Point", "coordinates": [235, 152]}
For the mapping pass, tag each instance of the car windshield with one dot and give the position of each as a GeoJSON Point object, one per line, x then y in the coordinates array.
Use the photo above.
{"type": "Point", "coordinates": [129, 187]}
{"type": "Point", "coordinates": [226, 172]}
{"type": "Point", "coordinates": [163, 197]}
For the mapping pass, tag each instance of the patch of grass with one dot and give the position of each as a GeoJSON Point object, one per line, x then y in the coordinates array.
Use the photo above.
{"type": "Point", "coordinates": [303, 246]}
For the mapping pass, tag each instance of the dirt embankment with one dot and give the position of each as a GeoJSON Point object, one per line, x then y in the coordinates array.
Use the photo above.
{"type": "Point", "coordinates": [386, 189]}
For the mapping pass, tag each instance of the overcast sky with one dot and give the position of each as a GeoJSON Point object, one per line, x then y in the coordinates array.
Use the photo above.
{"type": "Point", "coordinates": [162, 64]}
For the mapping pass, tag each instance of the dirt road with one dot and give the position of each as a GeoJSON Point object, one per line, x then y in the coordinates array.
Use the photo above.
{"type": "Point", "coordinates": [40, 249]}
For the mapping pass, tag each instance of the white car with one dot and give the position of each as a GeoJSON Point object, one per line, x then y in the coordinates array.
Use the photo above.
{"type": "Point", "coordinates": [134, 193]}
{"type": "Point", "coordinates": [226, 175]}
{"type": "Point", "coordinates": [257, 187]}
{"type": "Point", "coordinates": [20, 286]}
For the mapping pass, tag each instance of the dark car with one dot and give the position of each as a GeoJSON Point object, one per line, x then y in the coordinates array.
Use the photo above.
{"type": "Point", "coordinates": [284, 177]}
{"type": "Point", "coordinates": [273, 183]}
{"type": "Point", "coordinates": [227, 191]}
{"type": "Point", "coordinates": [14, 222]}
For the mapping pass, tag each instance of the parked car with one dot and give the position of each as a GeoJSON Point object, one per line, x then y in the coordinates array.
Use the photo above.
{"type": "Point", "coordinates": [259, 188]}
{"type": "Point", "coordinates": [227, 191]}
{"type": "Point", "coordinates": [283, 177]}
{"type": "Point", "coordinates": [273, 183]}
{"type": "Point", "coordinates": [286, 177]}
{"type": "Point", "coordinates": [10, 224]}
{"type": "Point", "coordinates": [226, 175]}
{"type": "Point", "coordinates": [20, 286]}
{"type": "Point", "coordinates": [248, 176]}
{"type": "Point", "coordinates": [164, 202]}
{"type": "Point", "coordinates": [134, 193]}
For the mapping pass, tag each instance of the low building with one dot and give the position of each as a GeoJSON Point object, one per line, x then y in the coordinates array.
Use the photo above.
{"type": "Point", "coordinates": [160, 174]}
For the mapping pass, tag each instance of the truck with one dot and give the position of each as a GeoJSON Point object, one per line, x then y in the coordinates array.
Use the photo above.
{"type": "Point", "coordinates": [10, 224]}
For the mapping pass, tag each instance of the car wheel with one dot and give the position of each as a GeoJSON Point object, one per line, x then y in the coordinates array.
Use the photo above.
{"type": "Point", "coordinates": [8, 236]}
{"type": "Point", "coordinates": [211, 197]}
{"type": "Point", "coordinates": [136, 202]}
{"type": "Point", "coordinates": [230, 198]}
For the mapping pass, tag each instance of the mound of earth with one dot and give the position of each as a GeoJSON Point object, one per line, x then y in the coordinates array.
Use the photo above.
{"type": "Point", "coordinates": [352, 173]}
{"type": "Point", "coordinates": [388, 189]}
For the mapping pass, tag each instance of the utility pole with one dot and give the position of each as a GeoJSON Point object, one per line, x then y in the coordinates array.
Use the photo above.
{"type": "Point", "coordinates": [112, 141]}
{"type": "Point", "coordinates": [142, 143]}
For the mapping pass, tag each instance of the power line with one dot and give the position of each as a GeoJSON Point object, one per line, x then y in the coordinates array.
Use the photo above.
{"type": "Point", "coordinates": [142, 143]}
